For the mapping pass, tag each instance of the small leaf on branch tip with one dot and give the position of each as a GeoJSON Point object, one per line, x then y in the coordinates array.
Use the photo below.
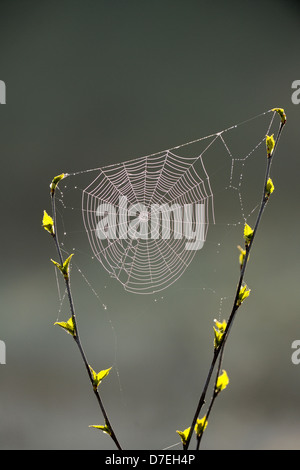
{"type": "Point", "coordinates": [184, 435]}
{"type": "Point", "coordinates": [222, 382]}
{"type": "Point", "coordinates": [98, 377]}
{"type": "Point", "coordinates": [67, 326]}
{"type": "Point", "coordinates": [248, 234]}
{"type": "Point", "coordinates": [201, 426]}
{"type": "Point", "coordinates": [281, 113]}
{"type": "Point", "coordinates": [269, 188]}
{"type": "Point", "coordinates": [104, 428]}
{"type": "Point", "coordinates": [219, 332]}
{"type": "Point", "coordinates": [48, 223]}
{"type": "Point", "coordinates": [55, 182]}
{"type": "Point", "coordinates": [270, 144]}
{"type": "Point", "coordinates": [65, 268]}
{"type": "Point", "coordinates": [243, 294]}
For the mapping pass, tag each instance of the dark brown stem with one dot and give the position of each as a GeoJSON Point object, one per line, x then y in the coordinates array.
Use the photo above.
{"type": "Point", "coordinates": [76, 333]}
{"type": "Point", "coordinates": [235, 306]}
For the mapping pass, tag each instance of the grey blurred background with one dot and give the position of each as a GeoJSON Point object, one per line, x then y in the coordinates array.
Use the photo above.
{"type": "Point", "coordinates": [96, 82]}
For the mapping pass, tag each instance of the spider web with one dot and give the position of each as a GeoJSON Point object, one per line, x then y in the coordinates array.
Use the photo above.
{"type": "Point", "coordinates": [146, 219]}
{"type": "Point", "coordinates": [148, 260]}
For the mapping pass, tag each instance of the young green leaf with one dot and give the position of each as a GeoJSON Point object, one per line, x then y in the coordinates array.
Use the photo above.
{"type": "Point", "coordinates": [59, 266]}
{"type": "Point", "coordinates": [184, 435]}
{"type": "Point", "coordinates": [243, 294]}
{"type": "Point", "coordinates": [200, 426]}
{"type": "Point", "coordinates": [242, 255]}
{"type": "Point", "coordinates": [55, 182]}
{"type": "Point", "coordinates": [104, 428]}
{"type": "Point", "coordinates": [269, 188]}
{"type": "Point", "coordinates": [219, 332]}
{"type": "Point", "coordinates": [222, 382]}
{"type": "Point", "coordinates": [48, 223]}
{"type": "Point", "coordinates": [65, 268]}
{"type": "Point", "coordinates": [248, 234]}
{"type": "Point", "coordinates": [270, 144]}
{"type": "Point", "coordinates": [281, 113]}
{"type": "Point", "coordinates": [98, 377]}
{"type": "Point", "coordinates": [67, 326]}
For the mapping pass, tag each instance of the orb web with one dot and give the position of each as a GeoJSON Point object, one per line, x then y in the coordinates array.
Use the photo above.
{"type": "Point", "coordinates": [162, 192]}
{"type": "Point", "coordinates": [147, 218]}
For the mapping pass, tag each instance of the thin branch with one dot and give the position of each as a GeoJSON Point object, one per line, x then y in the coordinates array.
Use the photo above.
{"type": "Point", "coordinates": [214, 396]}
{"type": "Point", "coordinates": [219, 351]}
{"type": "Point", "coordinates": [76, 332]}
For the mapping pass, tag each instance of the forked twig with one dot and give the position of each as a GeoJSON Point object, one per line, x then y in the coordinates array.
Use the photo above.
{"type": "Point", "coordinates": [71, 326]}
{"type": "Point", "coordinates": [218, 351]}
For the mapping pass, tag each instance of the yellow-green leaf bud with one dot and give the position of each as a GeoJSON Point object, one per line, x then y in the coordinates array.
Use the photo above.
{"type": "Point", "coordinates": [222, 382]}
{"type": "Point", "coordinates": [243, 294]}
{"type": "Point", "coordinates": [68, 326]}
{"type": "Point", "coordinates": [48, 223]}
{"type": "Point", "coordinates": [104, 428]}
{"type": "Point", "coordinates": [281, 113]}
{"type": "Point", "coordinates": [98, 377]}
{"type": "Point", "coordinates": [248, 234]}
{"type": "Point", "coordinates": [184, 435]}
{"type": "Point", "coordinates": [270, 144]}
{"type": "Point", "coordinates": [219, 332]}
{"type": "Point", "coordinates": [200, 426]}
{"type": "Point", "coordinates": [269, 188]}
{"type": "Point", "coordinates": [55, 182]}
